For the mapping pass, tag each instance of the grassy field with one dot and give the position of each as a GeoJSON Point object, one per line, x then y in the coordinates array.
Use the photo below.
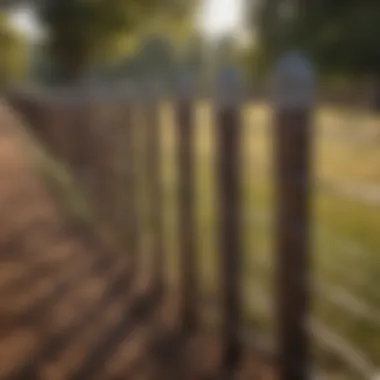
{"type": "Point", "coordinates": [346, 219]}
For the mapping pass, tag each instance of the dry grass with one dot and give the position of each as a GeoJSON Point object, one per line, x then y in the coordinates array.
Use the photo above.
{"type": "Point", "coordinates": [346, 239]}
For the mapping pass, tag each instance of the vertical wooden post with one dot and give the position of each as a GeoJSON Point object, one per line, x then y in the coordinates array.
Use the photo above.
{"type": "Point", "coordinates": [293, 96]}
{"type": "Point", "coordinates": [154, 163]}
{"type": "Point", "coordinates": [188, 270]}
{"type": "Point", "coordinates": [80, 109]}
{"type": "Point", "coordinates": [228, 138]}
{"type": "Point", "coordinates": [142, 176]}
{"type": "Point", "coordinates": [131, 182]}
{"type": "Point", "coordinates": [80, 120]}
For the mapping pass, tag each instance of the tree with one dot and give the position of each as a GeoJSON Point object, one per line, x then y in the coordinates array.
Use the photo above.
{"type": "Point", "coordinates": [195, 60]}
{"type": "Point", "coordinates": [85, 32]}
{"type": "Point", "coordinates": [13, 53]}
{"type": "Point", "coordinates": [341, 35]}
{"type": "Point", "coordinates": [156, 58]}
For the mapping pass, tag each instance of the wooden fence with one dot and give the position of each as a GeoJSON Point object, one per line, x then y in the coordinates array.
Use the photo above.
{"type": "Point", "coordinates": [112, 144]}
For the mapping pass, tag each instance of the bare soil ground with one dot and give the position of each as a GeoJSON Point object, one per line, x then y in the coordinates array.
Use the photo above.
{"type": "Point", "coordinates": [70, 307]}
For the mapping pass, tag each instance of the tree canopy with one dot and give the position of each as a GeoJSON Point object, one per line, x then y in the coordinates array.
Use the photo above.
{"type": "Point", "coordinates": [84, 32]}
{"type": "Point", "coordinates": [340, 35]}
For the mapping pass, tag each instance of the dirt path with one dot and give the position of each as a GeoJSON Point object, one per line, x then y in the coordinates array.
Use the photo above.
{"type": "Point", "coordinates": [67, 306]}
{"type": "Point", "coordinates": [70, 309]}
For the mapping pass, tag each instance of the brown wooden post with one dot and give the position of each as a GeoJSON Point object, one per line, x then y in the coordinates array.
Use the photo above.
{"type": "Point", "coordinates": [185, 154]}
{"type": "Point", "coordinates": [80, 124]}
{"type": "Point", "coordinates": [228, 129]}
{"type": "Point", "coordinates": [142, 176]}
{"type": "Point", "coordinates": [154, 163]}
{"type": "Point", "coordinates": [293, 95]}
{"type": "Point", "coordinates": [131, 182]}
{"type": "Point", "coordinates": [145, 177]}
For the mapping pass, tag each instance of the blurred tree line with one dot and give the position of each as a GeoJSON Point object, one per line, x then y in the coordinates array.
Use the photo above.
{"type": "Point", "coordinates": [146, 38]}
{"type": "Point", "coordinates": [99, 40]}
{"type": "Point", "coordinates": [84, 33]}
{"type": "Point", "coordinates": [341, 36]}
{"type": "Point", "coordinates": [86, 36]}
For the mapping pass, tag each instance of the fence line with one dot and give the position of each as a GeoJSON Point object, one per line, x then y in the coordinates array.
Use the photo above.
{"type": "Point", "coordinates": [113, 187]}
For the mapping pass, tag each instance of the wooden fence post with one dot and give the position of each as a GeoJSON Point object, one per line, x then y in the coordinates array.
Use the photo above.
{"type": "Point", "coordinates": [228, 130]}
{"type": "Point", "coordinates": [294, 90]}
{"type": "Point", "coordinates": [132, 209]}
{"type": "Point", "coordinates": [188, 280]}
{"type": "Point", "coordinates": [143, 179]}
{"type": "Point", "coordinates": [154, 162]}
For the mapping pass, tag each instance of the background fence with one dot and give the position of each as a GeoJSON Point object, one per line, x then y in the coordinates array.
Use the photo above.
{"type": "Point", "coordinates": [173, 181]}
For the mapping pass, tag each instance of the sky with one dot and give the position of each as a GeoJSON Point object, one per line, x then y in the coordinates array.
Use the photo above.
{"type": "Point", "coordinates": [24, 20]}
{"type": "Point", "coordinates": [216, 18]}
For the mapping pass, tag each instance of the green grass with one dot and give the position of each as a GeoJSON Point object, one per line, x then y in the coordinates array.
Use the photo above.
{"type": "Point", "coordinates": [345, 234]}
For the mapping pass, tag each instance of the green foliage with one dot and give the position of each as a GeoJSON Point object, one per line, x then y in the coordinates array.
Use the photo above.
{"type": "Point", "coordinates": [86, 32]}
{"type": "Point", "coordinates": [159, 56]}
{"type": "Point", "coordinates": [195, 59]}
{"type": "Point", "coordinates": [340, 35]}
{"type": "Point", "coordinates": [156, 57]}
{"type": "Point", "coordinates": [13, 54]}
